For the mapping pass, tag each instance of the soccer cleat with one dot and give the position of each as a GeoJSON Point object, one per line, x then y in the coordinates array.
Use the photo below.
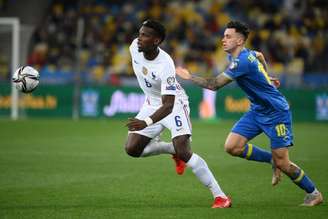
{"type": "Point", "coordinates": [221, 202]}
{"type": "Point", "coordinates": [312, 199]}
{"type": "Point", "coordinates": [180, 165]}
{"type": "Point", "coordinates": [276, 176]}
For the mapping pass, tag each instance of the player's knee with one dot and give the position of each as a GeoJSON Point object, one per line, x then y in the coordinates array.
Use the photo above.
{"type": "Point", "coordinates": [131, 151]}
{"type": "Point", "coordinates": [232, 149]}
{"type": "Point", "coordinates": [282, 164]}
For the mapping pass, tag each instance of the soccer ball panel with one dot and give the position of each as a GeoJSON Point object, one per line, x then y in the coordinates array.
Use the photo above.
{"type": "Point", "coordinates": [26, 79]}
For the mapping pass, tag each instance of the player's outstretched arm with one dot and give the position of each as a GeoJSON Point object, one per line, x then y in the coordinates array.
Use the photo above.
{"type": "Point", "coordinates": [209, 83]}
{"type": "Point", "coordinates": [165, 109]}
{"type": "Point", "coordinates": [261, 58]}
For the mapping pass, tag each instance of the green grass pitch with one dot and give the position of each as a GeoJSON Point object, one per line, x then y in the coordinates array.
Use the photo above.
{"type": "Point", "coordinates": [78, 169]}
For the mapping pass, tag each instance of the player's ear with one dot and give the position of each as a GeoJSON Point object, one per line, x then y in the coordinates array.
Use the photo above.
{"type": "Point", "coordinates": [157, 41]}
{"type": "Point", "coordinates": [240, 41]}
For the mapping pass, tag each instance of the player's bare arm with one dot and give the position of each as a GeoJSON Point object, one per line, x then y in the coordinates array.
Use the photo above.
{"type": "Point", "coordinates": [213, 83]}
{"type": "Point", "coordinates": [166, 108]}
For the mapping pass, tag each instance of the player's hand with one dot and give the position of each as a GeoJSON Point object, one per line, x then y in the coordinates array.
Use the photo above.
{"type": "Point", "coordinates": [275, 82]}
{"type": "Point", "coordinates": [183, 73]}
{"type": "Point", "coordinates": [136, 124]}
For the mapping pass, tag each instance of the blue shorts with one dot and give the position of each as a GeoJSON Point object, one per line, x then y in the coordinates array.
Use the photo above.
{"type": "Point", "coordinates": [277, 126]}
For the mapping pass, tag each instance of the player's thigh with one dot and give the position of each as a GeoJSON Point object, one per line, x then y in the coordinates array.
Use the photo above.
{"type": "Point", "coordinates": [279, 130]}
{"type": "Point", "coordinates": [246, 127]}
{"type": "Point", "coordinates": [178, 122]}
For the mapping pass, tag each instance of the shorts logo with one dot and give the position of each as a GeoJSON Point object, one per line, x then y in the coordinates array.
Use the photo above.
{"type": "Point", "coordinates": [179, 129]}
{"type": "Point", "coordinates": [170, 80]}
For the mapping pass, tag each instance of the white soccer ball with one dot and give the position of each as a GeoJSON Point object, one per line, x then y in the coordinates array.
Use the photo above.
{"type": "Point", "coordinates": [26, 79]}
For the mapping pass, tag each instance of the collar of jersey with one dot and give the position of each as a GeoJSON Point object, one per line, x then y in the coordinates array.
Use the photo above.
{"type": "Point", "coordinates": [231, 58]}
{"type": "Point", "coordinates": [154, 60]}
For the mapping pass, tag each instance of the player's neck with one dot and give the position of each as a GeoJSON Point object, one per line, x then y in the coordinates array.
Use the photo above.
{"type": "Point", "coordinates": [235, 53]}
{"type": "Point", "coordinates": [151, 55]}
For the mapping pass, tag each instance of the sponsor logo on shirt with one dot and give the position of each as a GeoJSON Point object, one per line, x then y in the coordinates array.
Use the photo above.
{"type": "Point", "coordinates": [171, 87]}
{"type": "Point", "coordinates": [170, 80]}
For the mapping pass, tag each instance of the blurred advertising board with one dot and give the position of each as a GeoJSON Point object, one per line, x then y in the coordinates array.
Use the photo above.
{"type": "Point", "coordinates": [124, 102]}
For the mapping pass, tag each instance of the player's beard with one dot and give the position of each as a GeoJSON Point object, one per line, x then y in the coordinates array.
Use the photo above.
{"type": "Point", "coordinates": [147, 49]}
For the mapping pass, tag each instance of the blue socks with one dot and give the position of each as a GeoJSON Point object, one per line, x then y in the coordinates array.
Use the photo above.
{"type": "Point", "coordinates": [303, 181]}
{"type": "Point", "coordinates": [252, 152]}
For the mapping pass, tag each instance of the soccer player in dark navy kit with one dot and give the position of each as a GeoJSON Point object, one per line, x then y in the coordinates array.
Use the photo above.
{"type": "Point", "coordinates": [269, 111]}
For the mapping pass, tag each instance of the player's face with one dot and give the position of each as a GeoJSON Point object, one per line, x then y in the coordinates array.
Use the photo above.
{"type": "Point", "coordinates": [231, 40]}
{"type": "Point", "coordinates": [147, 40]}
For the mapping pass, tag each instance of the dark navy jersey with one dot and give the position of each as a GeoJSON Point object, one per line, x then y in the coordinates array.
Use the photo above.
{"type": "Point", "coordinates": [252, 78]}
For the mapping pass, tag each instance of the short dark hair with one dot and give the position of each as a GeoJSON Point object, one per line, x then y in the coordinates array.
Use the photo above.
{"type": "Point", "coordinates": [157, 27]}
{"type": "Point", "coordinates": [239, 27]}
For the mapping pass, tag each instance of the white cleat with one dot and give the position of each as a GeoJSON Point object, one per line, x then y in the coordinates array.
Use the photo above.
{"type": "Point", "coordinates": [312, 200]}
{"type": "Point", "coordinates": [276, 176]}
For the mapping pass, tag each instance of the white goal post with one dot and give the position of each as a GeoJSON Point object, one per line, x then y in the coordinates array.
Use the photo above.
{"type": "Point", "coordinates": [14, 23]}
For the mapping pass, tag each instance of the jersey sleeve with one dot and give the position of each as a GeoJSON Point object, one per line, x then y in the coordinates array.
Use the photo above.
{"type": "Point", "coordinates": [168, 85]}
{"type": "Point", "coordinates": [133, 46]}
{"type": "Point", "coordinates": [236, 68]}
{"type": "Point", "coordinates": [253, 52]}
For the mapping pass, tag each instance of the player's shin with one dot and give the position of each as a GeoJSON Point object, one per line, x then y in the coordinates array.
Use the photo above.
{"type": "Point", "coordinates": [158, 147]}
{"type": "Point", "coordinates": [252, 152]}
{"type": "Point", "coordinates": [204, 174]}
{"type": "Point", "coordinates": [301, 179]}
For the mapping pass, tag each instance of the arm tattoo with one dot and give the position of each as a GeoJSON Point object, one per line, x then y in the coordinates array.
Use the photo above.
{"type": "Point", "coordinates": [209, 83]}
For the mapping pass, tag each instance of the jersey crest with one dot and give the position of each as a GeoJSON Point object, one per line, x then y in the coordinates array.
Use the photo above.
{"type": "Point", "coordinates": [144, 70]}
